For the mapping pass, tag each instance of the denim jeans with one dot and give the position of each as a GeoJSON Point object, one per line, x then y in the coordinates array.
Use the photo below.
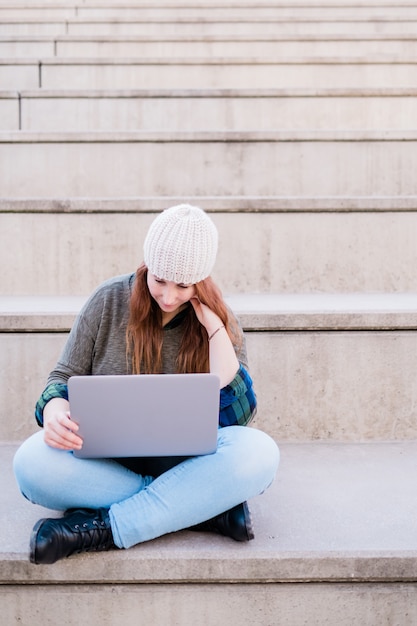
{"type": "Point", "coordinates": [143, 507]}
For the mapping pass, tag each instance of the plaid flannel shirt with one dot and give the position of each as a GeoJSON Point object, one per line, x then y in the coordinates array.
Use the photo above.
{"type": "Point", "coordinates": [237, 400]}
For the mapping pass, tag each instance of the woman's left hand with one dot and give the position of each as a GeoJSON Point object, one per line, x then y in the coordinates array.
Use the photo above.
{"type": "Point", "coordinates": [223, 360]}
{"type": "Point", "coordinates": [206, 316]}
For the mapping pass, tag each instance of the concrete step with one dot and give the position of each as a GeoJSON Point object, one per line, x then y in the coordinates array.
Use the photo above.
{"type": "Point", "coordinates": [331, 367]}
{"type": "Point", "coordinates": [9, 110]}
{"type": "Point", "coordinates": [214, 110]}
{"type": "Point", "coordinates": [218, 10]}
{"type": "Point", "coordinates": [19, 74]}
{"type": "Point", "coordinates": [328, 164]}
{"type": "Point", "coordinates": [303, 245]}
{"type": "Point", "coordinates": [40, 11]}
{"type": "Point", "coordinates": [33, 26]}
{"type": "Point", "coordinates": [334, 539]}
{"type": "Point", "coordinates": [209, 73]}
{"type": "Point", "coordinates": [278, 46]}
{"type": "Point", "coordinates": [197, 27]}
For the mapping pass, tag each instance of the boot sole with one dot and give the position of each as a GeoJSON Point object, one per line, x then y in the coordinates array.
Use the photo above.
{"type": "Point", "coordinates": [33, 538]}
{"type": "Point", "coordinates": [248, 522]}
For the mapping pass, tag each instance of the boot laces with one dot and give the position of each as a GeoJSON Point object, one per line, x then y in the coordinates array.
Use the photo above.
{"type": "Point", "coordinates": [93, 535]}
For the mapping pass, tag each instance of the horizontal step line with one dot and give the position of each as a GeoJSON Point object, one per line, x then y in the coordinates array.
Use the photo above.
{"type": "Point", "coordinates": [338, 92]}
{"type": "Point", "coordinates": [211, 5]}
{"type": "Point", "coordinates": [17, 137]}
{"type": "Point", "coordinates": [208, 21]}
{"type": "Point", "coordinates": [257, 312]}
{"type": "Point", "coordinates": [206, 39]}
{"type": "Point", "coordinates": [252, 61]}
{"type": "Point", "coordinates": [215, 204]}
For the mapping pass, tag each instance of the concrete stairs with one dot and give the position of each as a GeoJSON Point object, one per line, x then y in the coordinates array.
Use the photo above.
{"type": "Point", "coordinates": [208, 72]}
{"type": "Point", "coordinates": [316, 558]}
{"type": "Point", "coordinates": [344, 352]}
{"type": "Point", "coordinates": [294, 125]}
{"type": "Point", "coordinates": [354, 244]}
{"type": "Point", "coordinates": [39, 25]}
{"type": "Point", "coordinates": [192, 45]}
{"type": "Point", "coordinates": [210, 109]}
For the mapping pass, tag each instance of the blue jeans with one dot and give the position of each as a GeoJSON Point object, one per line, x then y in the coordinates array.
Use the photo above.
{"type": "Point", "coordinates": [144, 507]}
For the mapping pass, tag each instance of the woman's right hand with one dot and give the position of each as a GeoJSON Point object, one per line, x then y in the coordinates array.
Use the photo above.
{"type": "Point", "coordinates": [59, 430]}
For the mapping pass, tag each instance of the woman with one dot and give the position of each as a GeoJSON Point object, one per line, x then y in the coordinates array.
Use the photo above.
{"type": "Point", "coordinates": [168, 317]}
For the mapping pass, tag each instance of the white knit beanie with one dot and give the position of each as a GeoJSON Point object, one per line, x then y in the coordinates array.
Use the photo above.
{"type": "Point", "coordinates": [181, 245]}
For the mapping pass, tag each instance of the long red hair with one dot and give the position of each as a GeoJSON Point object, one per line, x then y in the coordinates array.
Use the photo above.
{"type": "Point", "coordinates": [144, 334]}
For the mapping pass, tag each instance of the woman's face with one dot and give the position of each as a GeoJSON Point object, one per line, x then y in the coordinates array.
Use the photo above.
{"type": "Point", "coordinates": [170, 296]}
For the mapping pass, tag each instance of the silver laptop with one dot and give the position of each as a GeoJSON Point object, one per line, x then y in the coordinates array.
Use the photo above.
{"type": "Point", "coordinates": [145, 415]}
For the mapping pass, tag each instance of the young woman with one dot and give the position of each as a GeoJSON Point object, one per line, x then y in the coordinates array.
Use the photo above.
{"type": "Point", "coordinates": [168, 317]}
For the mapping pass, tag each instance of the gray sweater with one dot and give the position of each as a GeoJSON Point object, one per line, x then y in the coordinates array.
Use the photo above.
{"type": "Point", "coordinates": [96, 345]}
{"type": "Point", "coordinates": [97, 341]}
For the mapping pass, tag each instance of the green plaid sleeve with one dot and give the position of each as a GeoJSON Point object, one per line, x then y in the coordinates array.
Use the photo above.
{"type": "Point", "coordinates": [54, 390]}
{"type": "Point", "coordinates": [237, 400]}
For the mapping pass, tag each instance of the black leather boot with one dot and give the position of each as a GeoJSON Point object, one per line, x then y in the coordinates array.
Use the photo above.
{"type": "Point", "coordinates": [235, 523]}
{"type": "Point", "coordinates": [79, 530]}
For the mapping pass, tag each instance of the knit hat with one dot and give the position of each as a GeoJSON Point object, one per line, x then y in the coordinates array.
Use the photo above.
{"type": "Point", "coordinates": [181, 245]}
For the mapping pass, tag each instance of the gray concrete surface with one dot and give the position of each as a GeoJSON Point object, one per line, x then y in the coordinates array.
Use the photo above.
{"type": "Point", "coordinates": [336, 512]}
{"type": "Point", "coordinates": [257, 311]}
{"type": "Point", "coordinates": [330, 367]}
{"type": "Point", "coordinates": [82, 164]}
{"type": "Point", "coordinates": [43, 46]}
{"type": "Point", "coordinates": [23, 25]}
{"type": "Point", "coordinates": [289, 251]}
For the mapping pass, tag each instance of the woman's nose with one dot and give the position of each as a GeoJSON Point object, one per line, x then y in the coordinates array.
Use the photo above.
{"type": "Point", "coordinates": [169, 295]}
